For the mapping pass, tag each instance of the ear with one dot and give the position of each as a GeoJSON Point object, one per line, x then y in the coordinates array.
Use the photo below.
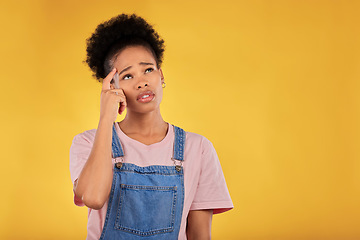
{"type": "Point", "coordinates": [162, 76]}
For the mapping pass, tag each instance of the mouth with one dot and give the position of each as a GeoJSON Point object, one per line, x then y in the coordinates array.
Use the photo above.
{"type": "Point", "coordinates": [145, 97]}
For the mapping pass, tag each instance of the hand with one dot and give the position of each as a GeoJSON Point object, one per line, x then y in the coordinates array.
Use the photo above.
{"type": "Point", "coordinates": [110, 99]}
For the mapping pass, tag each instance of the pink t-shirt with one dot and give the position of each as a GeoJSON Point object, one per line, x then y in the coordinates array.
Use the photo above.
{"type": "Point", "coordinates": [204, 182]}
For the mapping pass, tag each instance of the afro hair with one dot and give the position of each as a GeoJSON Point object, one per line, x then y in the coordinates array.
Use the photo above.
{"type": "Point", "coordinates": [117, 33]}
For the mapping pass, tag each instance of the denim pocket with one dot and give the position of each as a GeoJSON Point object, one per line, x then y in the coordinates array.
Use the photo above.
{"type": "Point", "coordinates": [146, 210]}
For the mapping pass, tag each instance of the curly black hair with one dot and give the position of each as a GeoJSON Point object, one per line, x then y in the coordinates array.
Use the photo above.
{"type": "Point", "coordinates": [117, 33]}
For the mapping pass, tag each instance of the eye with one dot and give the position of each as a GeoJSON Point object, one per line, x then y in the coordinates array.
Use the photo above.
{"type": "Point", "coordinates": [149, 70]}
{"type": "Point", "coordinates": [126, 77]}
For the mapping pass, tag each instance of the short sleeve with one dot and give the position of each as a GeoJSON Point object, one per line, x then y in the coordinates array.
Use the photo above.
{"type": "Point", "coordinates": [79, 152]}
{"type": "Point", "coordinates": [212, 192]}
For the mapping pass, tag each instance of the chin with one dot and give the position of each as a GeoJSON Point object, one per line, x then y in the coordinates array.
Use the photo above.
{"type": "Point", "coordinates": [147, 108]}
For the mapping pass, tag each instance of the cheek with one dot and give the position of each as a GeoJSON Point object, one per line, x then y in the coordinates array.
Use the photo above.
{"type": "Point", "coordinates": [128, 94]}
{"type": "Point", "coordinates": [126, 86]}
{"type": "Point", "coordinates": [159, 88]}
{"type": "Point", "coordinates": [157, 81]}
{"type": "Point", "coordinates": [160, 92]}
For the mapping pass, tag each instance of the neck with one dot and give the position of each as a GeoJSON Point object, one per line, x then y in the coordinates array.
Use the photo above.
{"type": "Point", "coordinates": [150, 123]}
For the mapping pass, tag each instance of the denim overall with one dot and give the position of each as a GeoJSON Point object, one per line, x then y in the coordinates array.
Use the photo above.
{"type": "Point", "coordinates": [145, 202]}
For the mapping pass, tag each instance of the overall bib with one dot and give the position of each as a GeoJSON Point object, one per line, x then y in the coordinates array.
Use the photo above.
{"type": "Point", "coordinates": [145, 202]}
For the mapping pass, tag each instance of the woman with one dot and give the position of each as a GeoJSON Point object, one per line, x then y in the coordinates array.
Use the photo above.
{"type": "Point", "coordinates": [141, 178]}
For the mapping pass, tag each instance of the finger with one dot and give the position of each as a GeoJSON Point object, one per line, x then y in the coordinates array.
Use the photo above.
{"type": "Point", "coordinates": [107, 80]}
{"type": "Point", "coordinates": [115, 92]}
{"type": "Point", "coordinates": [116, 81]}
{"type": "Point", "coordinates": [122, 99]}
{"type": "Point", "coordinates": [122, 107]}
{"type": "Point", "coordinates": [119, 92]}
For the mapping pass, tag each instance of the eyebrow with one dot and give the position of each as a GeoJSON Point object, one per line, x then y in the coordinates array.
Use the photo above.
{"type": "Point", "coordinates": [140, 63]}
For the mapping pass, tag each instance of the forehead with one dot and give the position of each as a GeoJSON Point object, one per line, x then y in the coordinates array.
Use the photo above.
{"type": "Point", "coordinates": [133, 55]}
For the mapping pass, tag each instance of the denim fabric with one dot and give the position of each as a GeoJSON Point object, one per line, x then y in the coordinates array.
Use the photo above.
{"type": "Point", "coordinates": [117, 150]}
{"type": "Point", "coordinates": [145, 202]}
{"type": "Point", "coordinates": [179, 143]}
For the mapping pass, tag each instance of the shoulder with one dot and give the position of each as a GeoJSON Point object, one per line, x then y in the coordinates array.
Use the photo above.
{"type": "Point", "coordinates": [201, 142]}
{"type": "Point", "coordinates": [86, 136]}
{"type": "Point", "coordinates": [195, 137]}
{"type": "Point", "coordinates": [83, 140]}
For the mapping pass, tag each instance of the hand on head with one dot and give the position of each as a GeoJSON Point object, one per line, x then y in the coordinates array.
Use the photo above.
{"type": "Point", "coordinates": [113, 101]}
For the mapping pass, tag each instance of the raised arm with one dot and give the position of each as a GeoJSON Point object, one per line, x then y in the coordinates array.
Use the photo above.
{"type": "Point", "coordinates": [94, 183]}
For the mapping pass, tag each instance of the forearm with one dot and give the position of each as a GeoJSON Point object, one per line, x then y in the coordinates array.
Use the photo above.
{"type": "Point", "coordinates": [94, 183]}
{"type": "Point", "coordinates": [190, 236]}
{"type": "Point", "coordinates": [199, 225]}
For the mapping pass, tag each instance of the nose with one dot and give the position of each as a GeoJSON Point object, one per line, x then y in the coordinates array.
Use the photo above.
{"type": "Point", "coordinates": [142, 85]}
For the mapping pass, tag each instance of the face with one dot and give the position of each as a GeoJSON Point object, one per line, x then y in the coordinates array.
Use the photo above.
{"type": "Point", "coordinates": [140, 79]}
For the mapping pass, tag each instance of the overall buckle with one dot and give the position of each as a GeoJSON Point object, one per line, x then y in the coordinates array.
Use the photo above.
{"type": "Point", "coordinates": [178, 164]}
{"type": "Point", "coordinates": [119, 163]}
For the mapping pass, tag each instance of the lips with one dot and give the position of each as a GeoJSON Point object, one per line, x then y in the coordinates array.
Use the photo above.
{"type": "Point", "coordinates": [146, 96]}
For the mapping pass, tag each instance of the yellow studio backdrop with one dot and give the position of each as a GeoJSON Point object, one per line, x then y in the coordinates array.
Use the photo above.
{"type": "Point", "coordinates": [273, 84]}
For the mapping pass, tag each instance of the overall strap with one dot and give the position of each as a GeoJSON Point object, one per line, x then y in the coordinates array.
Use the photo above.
{"type": "Point", "coordinates": [179, 144]}
{"type": "Point", "coordinates": [117, 150]}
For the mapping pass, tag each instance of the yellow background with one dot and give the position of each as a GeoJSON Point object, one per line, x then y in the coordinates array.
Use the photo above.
{"type": "Point", "coordinates": [273, 84]}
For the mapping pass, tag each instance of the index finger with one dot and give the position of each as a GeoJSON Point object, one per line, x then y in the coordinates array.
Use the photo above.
{"type": "Point", "coordinates": [116, 80]}
{"type": "Point", "coordinates": [107, 79]}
